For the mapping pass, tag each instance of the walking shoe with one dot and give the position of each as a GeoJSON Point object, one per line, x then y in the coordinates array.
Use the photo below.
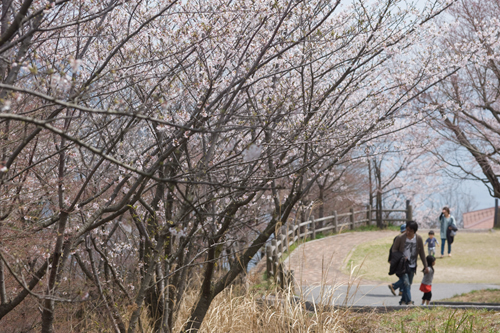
{"type": "Point", "coordinates": [392, 290]}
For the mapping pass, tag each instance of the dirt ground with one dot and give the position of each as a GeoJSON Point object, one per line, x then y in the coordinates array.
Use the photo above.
{"type": "Point", "coordinates": [320, 261]}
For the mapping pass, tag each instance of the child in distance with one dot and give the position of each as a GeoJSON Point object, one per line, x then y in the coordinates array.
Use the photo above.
{"type": "Point", "coordinates": [432, 242]}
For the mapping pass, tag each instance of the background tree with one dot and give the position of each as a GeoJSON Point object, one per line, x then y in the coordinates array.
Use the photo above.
{"type": "Point", "coordinates": [465, 108]}
{"type": "Point", "coordinates": [400, 168]}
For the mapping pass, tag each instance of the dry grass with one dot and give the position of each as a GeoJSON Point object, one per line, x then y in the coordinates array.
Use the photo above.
{"type": "Point", "coordinates": [251, 313]}
{"type": "Point", "coordinates": [248, 313]}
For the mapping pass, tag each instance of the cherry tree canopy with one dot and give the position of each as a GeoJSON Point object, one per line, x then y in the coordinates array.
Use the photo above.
{"type": "Point", "coordinates": [143, 138]}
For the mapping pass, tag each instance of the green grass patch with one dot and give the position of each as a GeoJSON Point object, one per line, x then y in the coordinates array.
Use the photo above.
{"type": "Point", "coordinates": [320, 235]}
{"type": "Point", "coordinates": [263, 285]}
{"type": "Point", "coordinates": [286, 254]}
{"type": "Point", "coordinates": [474, 260]}
{"type": "Point", "coordinates": [373, 227]}
{"type": "Point", "coordinates": [423, 320]}
{"type": "Point", "coordinates": [440, 320]}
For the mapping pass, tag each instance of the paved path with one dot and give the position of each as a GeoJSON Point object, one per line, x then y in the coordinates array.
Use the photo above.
{"type": "Point", "coordinates": [380, 295]}
{"type": "Point", "coordinates": [319, 263]}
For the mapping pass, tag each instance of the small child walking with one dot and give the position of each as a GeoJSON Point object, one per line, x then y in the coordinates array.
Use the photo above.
{"type": "Point", "coordinates": [426, 286]}
{"type": "Point", "coordinates": [432, 242]}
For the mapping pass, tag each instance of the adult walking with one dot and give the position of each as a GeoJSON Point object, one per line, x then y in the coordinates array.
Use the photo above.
{"type": "Point", "coordinates": [412, 246]}
{"type": "Point", "coordinates": [399, 284]}
{"type": "Point", "coordinates": [447, 224]}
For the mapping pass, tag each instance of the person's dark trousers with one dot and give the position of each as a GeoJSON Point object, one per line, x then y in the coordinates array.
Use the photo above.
{"type": "Point", "coordinates": [399, 285]}
{"type": "Point", "coordinates": [407, 281]}
{"type": "Point", "coordinates": [443, 240]}
{"type": "Point", "coordinates": [427, 296]}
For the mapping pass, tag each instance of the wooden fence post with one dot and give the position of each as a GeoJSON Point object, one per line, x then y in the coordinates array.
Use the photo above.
{"type": "Point", "coordinates": [369, 214]}
{"type": "Point", "coordinates": [274, 256]}
{"type": "Point", "coordinates": [351, 217]}
{"type": "Point", "coordinates": [409, 211]}
{"type": "Point", "coordinates": [287, 235]}
{"type": "Point", "coordinates": [283, 240]}
{"type": "Point", "coordinates": [313, 227]}
{"type": "Point", "coordinates": [281, 277]}
{"type": "Point", "coordinates": [269, 258]}
{"type": "Point", "coordinates": [297, 229]}
{"type": "Point", "coordinates": [289, 280]}
{"type": "Point", "coordinates": [335, 221]}
{"type": "Point", "coordinates": [279, 239]}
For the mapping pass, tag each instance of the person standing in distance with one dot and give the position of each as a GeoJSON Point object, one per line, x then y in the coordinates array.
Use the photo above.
{"type": "Point", "coordinates": [446, 221]}
{"type": "Point", "coordinates": [412, 246]}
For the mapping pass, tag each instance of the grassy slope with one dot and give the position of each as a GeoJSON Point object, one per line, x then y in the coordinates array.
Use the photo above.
{"type": "Point", "coordinates": [477, 296]}
{"type": "Point", "coordinates": [439, 320]}
{"type": "Point", "coordinates": [474, 260]}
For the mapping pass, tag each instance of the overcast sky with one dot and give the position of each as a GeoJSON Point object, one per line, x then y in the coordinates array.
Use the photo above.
{"type": "Point", "coordinates": [479, 191]}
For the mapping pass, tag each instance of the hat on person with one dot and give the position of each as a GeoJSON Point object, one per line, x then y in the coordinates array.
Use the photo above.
{"type": "Point", "coordinates": [403, 227]}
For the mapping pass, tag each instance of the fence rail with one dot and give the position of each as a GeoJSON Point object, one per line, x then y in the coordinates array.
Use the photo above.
{"type": "Point", "coordinates": [291, 233]}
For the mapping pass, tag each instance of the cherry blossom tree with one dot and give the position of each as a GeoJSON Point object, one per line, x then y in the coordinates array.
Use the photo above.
{"type": "Point", "coordinates": [465, 107]}
{"type": "Point", "coordinates": [142, 140]}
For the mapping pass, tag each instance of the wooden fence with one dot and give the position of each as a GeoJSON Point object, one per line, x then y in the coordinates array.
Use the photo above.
{"type": "Point", "coordinates": [290, 234]}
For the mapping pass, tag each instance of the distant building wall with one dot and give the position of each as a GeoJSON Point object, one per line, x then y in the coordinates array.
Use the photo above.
{"type": "Point", "coordinates": [479, 219]}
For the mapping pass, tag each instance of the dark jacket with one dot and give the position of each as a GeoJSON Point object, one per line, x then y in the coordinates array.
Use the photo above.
{"type": "Point", "coordinates": [399, 246]}
{"type": "Point", "coordinates": [399, 264]}
{"type": "Point", "coordinates": [390, 251]}
{"type": "Point", "coordinates": [449, 237]}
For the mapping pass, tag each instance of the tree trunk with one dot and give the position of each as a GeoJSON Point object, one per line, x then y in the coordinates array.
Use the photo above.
{"type": "Point", "coordinates": [48, 310]}
{"type": "Point", "coordinates": [370, 184]}
{"type": "Point", "coordinates": [378, 194]}
{"type": "Point", "coordinates": [209, 292]}
{"type": "Point", "coordinates": [146, 283]}
{"type": "Point", "coordinates": [321, 209]}
{"type": "Point", "coordinates": [380, 223]}
{"type": "Point", "coordinates": [303, 217]}
{"type": "Point", "coordinates": [205, 298]}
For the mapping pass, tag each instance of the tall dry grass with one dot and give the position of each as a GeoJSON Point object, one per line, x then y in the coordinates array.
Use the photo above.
{"type": "Point", "coordinates": [252, 312]}
{"type": "Point", "coordinates": [239, 309]}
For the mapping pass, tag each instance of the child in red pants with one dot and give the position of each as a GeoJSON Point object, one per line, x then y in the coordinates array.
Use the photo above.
{"type": "Point", "coordinates": [426, 286]}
